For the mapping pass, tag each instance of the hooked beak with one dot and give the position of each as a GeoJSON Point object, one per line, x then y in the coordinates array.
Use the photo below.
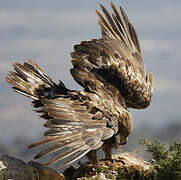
{"type": "Point", "coordinates": [123, 142]}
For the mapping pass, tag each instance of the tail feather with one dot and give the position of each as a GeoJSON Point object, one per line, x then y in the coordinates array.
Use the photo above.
{"type": "Point", "coordinates": [29, 80]}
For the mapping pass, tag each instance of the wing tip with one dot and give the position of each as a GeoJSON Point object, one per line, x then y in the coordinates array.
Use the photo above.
{"type": "Point", "coordinates": [151, 81]}
{"type": "Point", "coordinates": [102, 7]}
{"type": "Point", "coordinates": [97, 12]}
{"type": "Point", "coordinates": [31, 146]}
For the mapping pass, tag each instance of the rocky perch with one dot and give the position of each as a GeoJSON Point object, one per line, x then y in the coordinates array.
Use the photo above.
{"type": "Point", "coordinates": [15, 169]}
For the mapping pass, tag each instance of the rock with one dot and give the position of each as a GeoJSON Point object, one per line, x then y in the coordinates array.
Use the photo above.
{"type": "Point", "coordinates": [107, 170]}
{"type": "Point", "coordinates": [46, 173]}
{"type": "Point", "coordinates": [130, 160]}
{"type": "Point", "coordinates": [73, 173]}
{"type": "Point", "coordinates": [100, 176]}
{"type": "Point", "coordinates": [15, 169]}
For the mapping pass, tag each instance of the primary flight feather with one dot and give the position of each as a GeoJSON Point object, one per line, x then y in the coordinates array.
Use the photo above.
{"type": "Point", "coordinates": [111, 71]}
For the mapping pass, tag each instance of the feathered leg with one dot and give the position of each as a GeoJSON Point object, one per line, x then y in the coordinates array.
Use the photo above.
{"type": "Point", "coordinates": [92, 156]}
{"type": "Point", "coordinates": [108, 145]}
{"type": "Point", "coordinates": [107, 149]}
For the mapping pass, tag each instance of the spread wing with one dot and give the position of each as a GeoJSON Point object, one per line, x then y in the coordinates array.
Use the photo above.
{"type": "Point", "coordinates": [115, 60]}
{"type": "Point", "coordinates": [72, 130]}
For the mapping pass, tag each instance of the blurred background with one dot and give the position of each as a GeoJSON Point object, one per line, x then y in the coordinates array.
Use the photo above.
{"type": "Point", "coordinates": [47, 30]}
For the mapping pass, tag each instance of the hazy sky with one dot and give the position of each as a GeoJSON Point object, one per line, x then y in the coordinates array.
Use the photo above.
{"type": "Point", "coordinates": [47, 30]}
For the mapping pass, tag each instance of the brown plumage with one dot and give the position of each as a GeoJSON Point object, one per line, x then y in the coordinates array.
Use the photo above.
{"type": "Point", "coordinates": [112, 72]}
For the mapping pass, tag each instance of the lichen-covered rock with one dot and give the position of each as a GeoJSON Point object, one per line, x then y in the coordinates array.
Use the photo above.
{"type": "Point", "coordinates": [100, 176]}
{"type": "Point", "coordinates": [121, 165]}
{"type": "Point", "coordinates": [16, 169]}
{"type": "Point", "coordinates": [46, 173]}
{"type": "Point", "coordinates": [130, 160]}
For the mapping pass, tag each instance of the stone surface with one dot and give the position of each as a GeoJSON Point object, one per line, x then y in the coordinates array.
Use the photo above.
{"type": "Point", "coordinates": [15, 169]}
{"type": "Point", "coordinates": [46, 173]}
{"type": "Point", "coordinates": [106, 169]}
{"type": "Point", "coordinates": [100, 176]}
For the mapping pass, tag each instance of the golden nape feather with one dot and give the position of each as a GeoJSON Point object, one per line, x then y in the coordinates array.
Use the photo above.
{"type": "Point", "coordinates": [112, 72]}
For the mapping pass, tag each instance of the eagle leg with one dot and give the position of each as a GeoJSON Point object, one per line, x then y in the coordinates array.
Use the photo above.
{"type": "Point", "coordinates": [92, 156]}
{"type": "Point", "coordinates": [107, 149]}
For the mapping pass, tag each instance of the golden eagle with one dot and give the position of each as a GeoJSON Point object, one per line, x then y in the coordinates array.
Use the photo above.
{"type": "Point", "coordinates": [111, 71]}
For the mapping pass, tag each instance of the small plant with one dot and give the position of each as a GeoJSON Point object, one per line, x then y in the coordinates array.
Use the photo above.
{"type": "Point", "coordinates": [131, 174]}
{"type": "Point", "coordinates": [164, 165]}
{"type": "Point", "coordinates": [166, 162]}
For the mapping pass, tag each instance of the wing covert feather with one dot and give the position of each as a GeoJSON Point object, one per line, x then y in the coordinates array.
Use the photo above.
{"type": "Point", "coordinates": [115, 59]}
{"type": "Point", "coordinates": [72, 131]}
